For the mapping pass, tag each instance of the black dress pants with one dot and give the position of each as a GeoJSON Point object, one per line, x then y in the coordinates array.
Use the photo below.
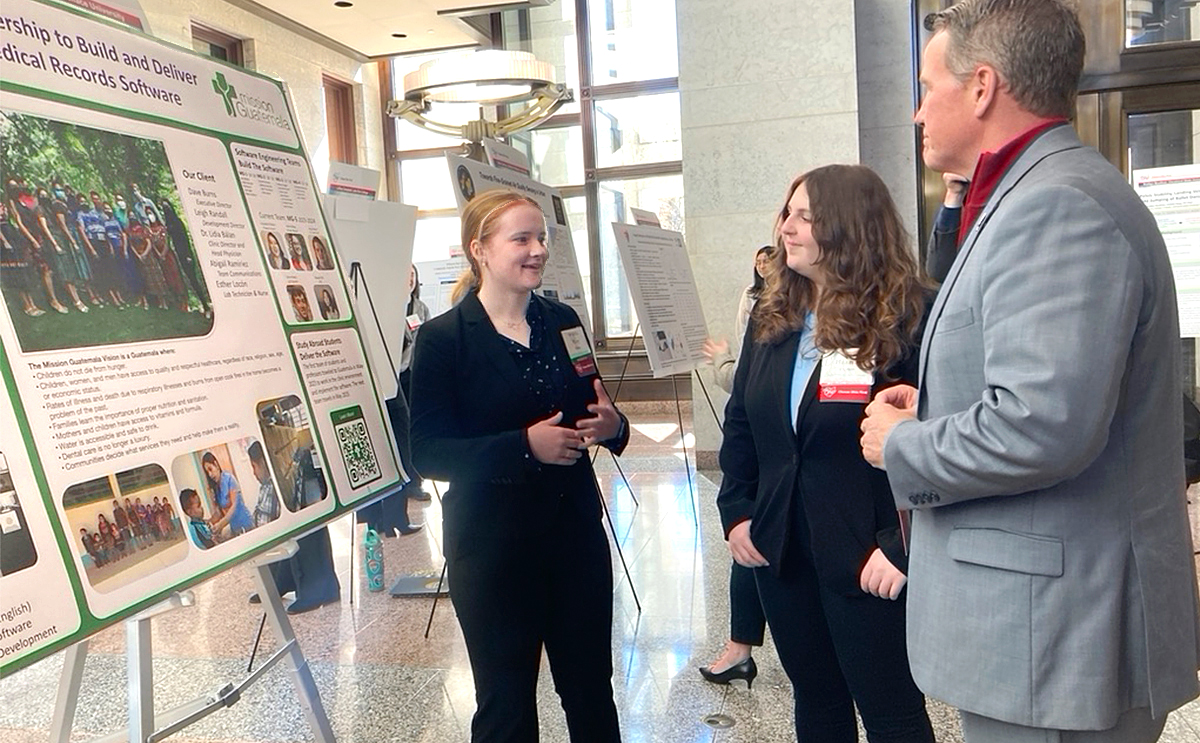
{"type": "Point", "coordinates": [516, 594]}
{"type": "Point", "coordinates": [746, 621]}
{"type": "Point", "coordinates": [840, 651]}
{"type": "Point", "coordinates": [310, 572]}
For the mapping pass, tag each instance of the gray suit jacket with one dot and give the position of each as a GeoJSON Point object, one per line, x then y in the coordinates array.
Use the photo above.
{"type": "Point", "coordinates": [1051, 574]}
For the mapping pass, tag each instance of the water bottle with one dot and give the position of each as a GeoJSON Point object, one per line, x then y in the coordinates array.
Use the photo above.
{"type": "Point", "coordinates": [373, 560]}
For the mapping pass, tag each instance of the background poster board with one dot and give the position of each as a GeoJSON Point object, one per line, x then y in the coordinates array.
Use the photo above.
{"type": "Point", "coordinates": [381, 244]}
{"type": "Point", "coordinates": [1173, 196]}
{"type": "Point", "coordinates": [352, 180]}
{"type": "Point", "coordinates": [437, 282]}
{"type": "Point", "coordinates": [561, 280]}
{"type": "Point", "coordinates": [506, 157]}
{"type": "Point", "coordinates": [197, 245]}
{"type": "Point", "coordinates": [664, 292]}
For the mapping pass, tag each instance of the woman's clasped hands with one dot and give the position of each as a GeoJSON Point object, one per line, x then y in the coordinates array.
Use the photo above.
{"type": "Point", "coordinates": [552, 443]}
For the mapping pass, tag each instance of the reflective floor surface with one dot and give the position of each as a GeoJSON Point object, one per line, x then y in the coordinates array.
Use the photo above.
{"type": "Point", "coordinates": [381, 680]}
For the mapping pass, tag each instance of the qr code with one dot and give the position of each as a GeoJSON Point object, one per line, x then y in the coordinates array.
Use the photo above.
{"type": "Point", "coordinates": [355, 442]}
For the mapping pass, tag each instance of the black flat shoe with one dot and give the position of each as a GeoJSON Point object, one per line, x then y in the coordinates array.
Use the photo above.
{"type": "Point", "coordinates": [747, 670]}
{"type": "Point", "coordinates": [410, 529]}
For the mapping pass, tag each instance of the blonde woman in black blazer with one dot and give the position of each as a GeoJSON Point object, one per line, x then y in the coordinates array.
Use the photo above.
{"type": "Point", "coordinates": [837, 322]}
{"type": "Point", "coordinates": [506, 401]}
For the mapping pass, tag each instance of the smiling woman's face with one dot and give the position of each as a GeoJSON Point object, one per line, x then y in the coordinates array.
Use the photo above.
{"type": "Point", "coordinates": [514, 256]}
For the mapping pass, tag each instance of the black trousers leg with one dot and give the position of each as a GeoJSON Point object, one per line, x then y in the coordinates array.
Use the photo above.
{"type": "Point", "coordinates": [499, 603]}
{"type": "Point", "coordinates": [312, 567]}
{"type": "Point", "coordinates": [837, 649]}
{"type": "Point", "coordinates": [746, 620]}
{"type": "Point", "coordinates": [869, 635]}
{"type": "Point", "coordinates": [579, 628]}
{"type": "Point", "coordinates": [824, 708]}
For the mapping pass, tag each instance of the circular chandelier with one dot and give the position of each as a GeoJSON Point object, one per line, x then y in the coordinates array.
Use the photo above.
{"type": "Point", "coordinates": [489, 77]}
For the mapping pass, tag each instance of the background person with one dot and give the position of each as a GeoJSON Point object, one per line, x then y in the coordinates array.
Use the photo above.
{"type": "Point", "coordinates": [746, 621]}
{"type": "Point", "coordinates": [942, 247]}
{"type": "Point", "coordinates": [842, 309]}
{"type": "Point", "coordinates": [502, 414]}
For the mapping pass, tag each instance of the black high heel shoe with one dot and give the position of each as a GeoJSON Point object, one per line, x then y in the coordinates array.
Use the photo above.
{"type": "Point", "coordinates": [747, 670]}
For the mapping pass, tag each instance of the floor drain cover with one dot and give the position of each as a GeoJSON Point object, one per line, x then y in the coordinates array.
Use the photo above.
{"type": "Point", "coordinates": [718, 721]}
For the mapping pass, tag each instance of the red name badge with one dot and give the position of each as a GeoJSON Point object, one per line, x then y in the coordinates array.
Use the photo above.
{"type": "Point", "coordinates": [845, 392]}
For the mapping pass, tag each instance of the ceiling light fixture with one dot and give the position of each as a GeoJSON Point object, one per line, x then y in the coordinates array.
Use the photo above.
{"type": "Point", "coordinates": [489, 77]}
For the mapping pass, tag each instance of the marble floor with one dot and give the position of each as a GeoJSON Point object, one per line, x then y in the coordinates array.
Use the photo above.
{"type": "Point", "coordinates": [381, 680]}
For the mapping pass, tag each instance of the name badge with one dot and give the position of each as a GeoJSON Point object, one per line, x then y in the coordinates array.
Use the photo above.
{"type": "Point", "coordinates": [842, 380]}
{"type": "Point", "coordinates": [413, 321]}
{"type": "Point", "coordinates": [579, 351]}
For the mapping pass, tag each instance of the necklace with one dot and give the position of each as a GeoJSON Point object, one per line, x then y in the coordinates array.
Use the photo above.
{"type": "Point", "coordinates": [513, 325]}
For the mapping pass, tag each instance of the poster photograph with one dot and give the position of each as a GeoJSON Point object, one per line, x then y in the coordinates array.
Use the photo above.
{"type": "Point", "coordinates": [124, 525]}
{"type": "Point", "coordinates": [94, 250]}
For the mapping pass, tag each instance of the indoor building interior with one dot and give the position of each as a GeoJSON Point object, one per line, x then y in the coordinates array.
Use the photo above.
{"type": "Point", "coordinates": [700, 112]}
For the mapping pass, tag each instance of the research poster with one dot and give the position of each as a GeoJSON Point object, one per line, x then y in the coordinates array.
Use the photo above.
{"type": "Point", "coordinates": [1173, 196]}
{"type": "Point", "coordinates": [437, 282]}
{"type": "Point", "coordinates": [352, 180]}
{"type": "Point", "coordinates": [561, 280]}
{"type": "Point", "coordinates": [185, 379]}
{"type": "Point", "coordinates": [664, 292]}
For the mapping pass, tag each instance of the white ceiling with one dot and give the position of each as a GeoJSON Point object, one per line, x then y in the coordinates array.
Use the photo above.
{"type": "Point", "coordinates": [368, 25]}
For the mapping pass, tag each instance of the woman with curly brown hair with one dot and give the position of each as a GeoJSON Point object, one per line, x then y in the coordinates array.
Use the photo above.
{"type": "Point", "coordinates": [839, 320]}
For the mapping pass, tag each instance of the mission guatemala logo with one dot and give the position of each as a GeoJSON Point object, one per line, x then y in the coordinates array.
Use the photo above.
{"type": "Point", "coordinates": [247, 106]}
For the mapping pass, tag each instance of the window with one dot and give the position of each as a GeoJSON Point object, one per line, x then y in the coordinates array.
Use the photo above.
{"type": "Point", "coordinates": [339, 120]}
{"type": "Point", "coordinates": [218, 45]}
{"type": "Point", "coordinates": [633, 40]}
{"type": "Point", "coordinates": [617, 146]}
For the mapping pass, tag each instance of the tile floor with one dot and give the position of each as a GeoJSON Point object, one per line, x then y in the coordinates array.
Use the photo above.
{"type": "Point", "coordinates": [380, 680]}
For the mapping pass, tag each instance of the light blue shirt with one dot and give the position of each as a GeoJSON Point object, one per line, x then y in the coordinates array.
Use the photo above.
{"type": "Point", "coordinates": [807, 357]}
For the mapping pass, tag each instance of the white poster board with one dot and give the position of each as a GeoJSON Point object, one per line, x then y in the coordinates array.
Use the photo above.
{"type": "Point", "coordinates": [664, 292]}
{"type": "Point", "coordinates": [381, 244]}
{"type": "Point", "coordinates": [561, 280]}
{"type": "Point", "coordinates": [345, 179]}
{"type": "Point", "coordinates": [1173, 196]}
{"type": "Point", "coordinates": [506, 157]}
{"type": "Point", "coordinates": [437, 282]}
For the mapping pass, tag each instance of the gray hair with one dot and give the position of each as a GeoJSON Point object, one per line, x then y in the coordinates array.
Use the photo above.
{"type": "Point", "coordinates": [1036, 46]}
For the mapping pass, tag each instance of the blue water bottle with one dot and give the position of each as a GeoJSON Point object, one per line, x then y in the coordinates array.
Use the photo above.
{"type": "Point", "coordinates": [373, 560]}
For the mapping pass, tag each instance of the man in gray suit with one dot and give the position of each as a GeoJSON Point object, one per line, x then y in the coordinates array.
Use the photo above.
{"type": "Point", "coordinates": [1052, 591]}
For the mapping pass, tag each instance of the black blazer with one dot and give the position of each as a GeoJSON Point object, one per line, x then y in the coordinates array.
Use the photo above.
{"type": "Point", "coordinates": [470, 408]}
{"type": "Point", "coordinates": [769, 471]}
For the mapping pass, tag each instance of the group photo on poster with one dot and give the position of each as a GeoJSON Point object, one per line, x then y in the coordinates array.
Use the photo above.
{"type": "Point", "coordinates": [90, 231]}
{"type": "Point", "coordinates": [124, 526]}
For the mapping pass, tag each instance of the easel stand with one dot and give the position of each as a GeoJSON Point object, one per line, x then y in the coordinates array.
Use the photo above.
{"type": "Point", "coordinates": [147, 727]}
{"type": "Point", "coordinates": [687, 465]}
